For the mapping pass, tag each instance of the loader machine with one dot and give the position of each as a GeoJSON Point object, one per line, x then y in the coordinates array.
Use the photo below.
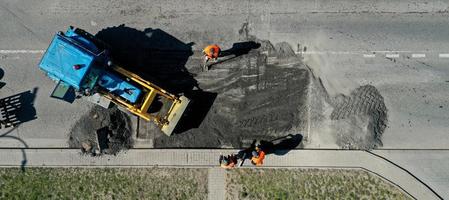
{"type": "Point", "coordinates": [78, 61]}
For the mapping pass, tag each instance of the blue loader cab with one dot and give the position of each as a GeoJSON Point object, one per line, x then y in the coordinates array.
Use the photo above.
{"type": "Point", "coordinates": [74, 61]}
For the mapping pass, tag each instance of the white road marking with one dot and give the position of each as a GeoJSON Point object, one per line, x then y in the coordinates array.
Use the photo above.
{"type": "Point", "coordinates": [369, 55]}
{"type": "Point", "coordinates": [392, 55]}
{"type": "Point", "coordinates": [6, 51]}
{"type": "Point", "coordinates": [328, 52]}
{"type": "Point", "coordinates": [418, 55]}
{"type": "Point", "coordinates": [359, 52]}
{"type": "Point", "coordinates": [287, 64]}
{"type": "Point", "coordinates": [248, 76]}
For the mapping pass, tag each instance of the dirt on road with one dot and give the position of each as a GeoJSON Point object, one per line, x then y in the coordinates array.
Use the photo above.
{"type": "Point", "coordinates": [256, 91]}
{"type": "Point", "coordinates": [269, 95]}
{"type": "Point", "coordinates": [360, 119]}
{"type": "Point", "coordinates": [112, 125]}
{"type": "Point", "coordinates": [354, 121]}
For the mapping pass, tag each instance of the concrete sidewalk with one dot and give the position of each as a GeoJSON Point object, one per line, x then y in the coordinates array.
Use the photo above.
{"type": "Point", "coordinates": [209, 158]}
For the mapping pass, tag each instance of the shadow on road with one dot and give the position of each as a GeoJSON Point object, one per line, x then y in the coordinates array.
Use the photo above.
{"type": "Point", "coordinates": [2, 73]}
{"type": "Point", "coordinates": [15, 110]}
{"type": "Point", "coordinates": [5, 123]}
{"type": "Point", "coordinates": [18, 108]}
{"type": "Point", "coordinates": [237, 49]}
{"type": "Point", "coordinates": [279, 146]}
{"type": "Point", "coordinates": [152, 54]}
{"type": "Point", "coordinates": [201, 102]}
{"type": "Point", "coordinates": [240, 48]}
{"type": "Point", "coordinates": [24, 156]}
{"type": "Point", "coordinates": [160, 58]}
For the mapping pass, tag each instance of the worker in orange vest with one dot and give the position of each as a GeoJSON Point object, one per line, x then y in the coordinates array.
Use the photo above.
{"type": "Point", "coordinates": [258, 156]}
{"type": "Point", "coordinates": [210, 52]}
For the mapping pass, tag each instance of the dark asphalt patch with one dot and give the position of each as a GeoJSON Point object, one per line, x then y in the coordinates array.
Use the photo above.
{"type": "Point", "coordinates": [255, 100]}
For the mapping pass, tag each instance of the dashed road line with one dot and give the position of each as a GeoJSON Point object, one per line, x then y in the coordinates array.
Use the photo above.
{"type": "Point", "coordinates": [369, 55]}
{"type": "Point", "coordinates": [418, 55]}
{"type": "Point", "coordinates": [388, 54]}
{"type": "Point", "coordinates": [392, 55]}
{"type": "Point", "coordinates": [328, 52]}
{"type": "Point", "coordinates": [22, 51]}
{"type": "Point", "coordinates": [250, 76]}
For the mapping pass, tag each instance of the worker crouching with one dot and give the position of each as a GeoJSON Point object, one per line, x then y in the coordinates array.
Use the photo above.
{"type": "Point", "coordinates": [228, 162]}
{"type": "Point", "coordinates": [210, 52]}
{"type": "Point", "coordinates": [258, 155]}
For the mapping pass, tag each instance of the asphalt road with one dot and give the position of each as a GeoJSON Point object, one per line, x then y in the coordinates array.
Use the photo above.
{"type": "Point", "coordinates": [336, 37]}
{"type": "Point", "coordinates": [400, 47]}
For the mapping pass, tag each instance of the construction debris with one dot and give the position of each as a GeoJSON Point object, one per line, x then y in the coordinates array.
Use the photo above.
{"type": "Point", "coordinates": [102, 131]}
{"type": "Point", "coordinates": [266, 93]}
{"type": "Point", "coordinates": [360, 119]}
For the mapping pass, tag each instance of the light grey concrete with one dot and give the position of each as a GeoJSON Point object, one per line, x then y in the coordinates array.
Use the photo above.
{"type": "Point", "coordinates": [216, 184]}
{"type": "Point", "coordinates": [54, 117]}
{"type": "Point", "coordinates": [208, 158]}
{"type": "Point", "coordinates": [415, 93]}
{"type": "Point", "coordinates": [429, 166]}
{"type": "Point", "coordinates": [414, 90]}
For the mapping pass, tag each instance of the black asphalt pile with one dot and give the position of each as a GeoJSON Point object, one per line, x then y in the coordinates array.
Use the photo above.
{"type": "Point", "coordinates": [252, 96]}
{"type": "Point", "coordinates": [102, 131]}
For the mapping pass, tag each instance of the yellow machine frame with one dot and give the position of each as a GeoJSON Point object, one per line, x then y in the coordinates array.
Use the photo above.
{"type": "Point", "coordinates": [168, 122]}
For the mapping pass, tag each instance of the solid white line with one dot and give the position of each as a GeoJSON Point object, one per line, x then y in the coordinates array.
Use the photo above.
{"type": "Point", "coordinates": [6, 51]}
{"type": "Point", "coordinates": [418, 55]}
{"type": "Point", "coordinates": [392, 55]}
{"type": "Point", "coordinates": [369, 55]}
{"type": "Point", "coordinates": [444, 55]}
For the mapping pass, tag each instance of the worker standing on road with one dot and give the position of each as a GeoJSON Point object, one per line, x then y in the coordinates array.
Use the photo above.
{"type": "Point", "coordinates": [210, 52]}
{"type": "Point", "coordinates": [258, 156]}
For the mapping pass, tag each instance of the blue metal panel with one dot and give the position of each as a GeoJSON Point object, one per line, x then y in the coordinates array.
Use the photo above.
{"type": "Point", "coordinates": [117, 86]}
{"type": "Point", "coordinates": [60, 58]}
{"type": "Point", "coordinates": [81, 41]}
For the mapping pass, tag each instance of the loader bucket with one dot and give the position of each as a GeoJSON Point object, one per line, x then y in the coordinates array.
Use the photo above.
{"type": "Point", "coordinates": [175, 115]}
